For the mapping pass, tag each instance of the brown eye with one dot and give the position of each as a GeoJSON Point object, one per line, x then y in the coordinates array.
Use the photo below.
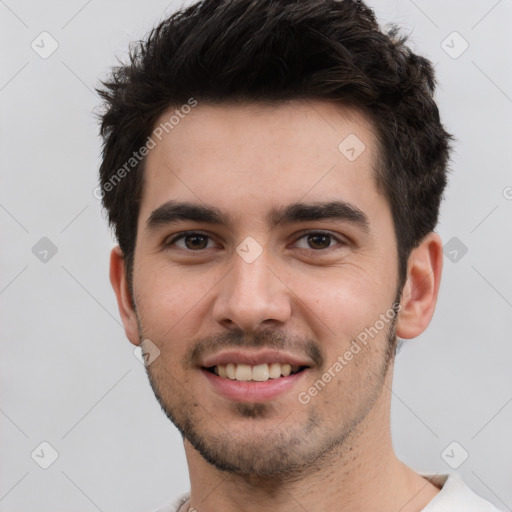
{"type": "Point", "coordinates": [191, 241]}
{"type": "Point", "coordinates": [319, 241]}
{"type": "Point", "coordinates": [196, 241]}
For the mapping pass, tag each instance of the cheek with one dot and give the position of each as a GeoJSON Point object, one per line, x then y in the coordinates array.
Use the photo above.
{"type": "Point", "coordinates": [168, 299]}
{"type": "Point", "coordinates": [339, 313]}
{"type": "Point", "coordinates": [342, 299]}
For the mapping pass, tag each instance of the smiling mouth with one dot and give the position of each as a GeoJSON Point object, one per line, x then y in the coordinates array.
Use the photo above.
{"type": "Point", "coordinates": [256, 373]}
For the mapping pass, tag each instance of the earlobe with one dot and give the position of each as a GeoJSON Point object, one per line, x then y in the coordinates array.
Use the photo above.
{"type": "Point", "coordinates": [420, 292]}
{"type": "Point", "coordinates": [124, 301]}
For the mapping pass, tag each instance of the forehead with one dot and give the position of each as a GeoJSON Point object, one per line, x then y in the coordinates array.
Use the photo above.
{"type": "Point", "coordinates": [247, 157]}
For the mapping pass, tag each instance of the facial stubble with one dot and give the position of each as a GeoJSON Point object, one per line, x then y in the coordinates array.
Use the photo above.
{"type": "Point", "coordinates": [264, 449]}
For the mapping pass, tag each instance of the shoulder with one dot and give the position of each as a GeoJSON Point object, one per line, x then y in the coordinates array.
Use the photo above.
{"type": "Point", "coordinates": [173, 505]}
{"type": "Point", "coordinates": [456, 496]}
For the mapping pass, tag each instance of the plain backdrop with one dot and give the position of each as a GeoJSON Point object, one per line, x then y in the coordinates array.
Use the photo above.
{"type": "Point", "coordinates": [69, 377]}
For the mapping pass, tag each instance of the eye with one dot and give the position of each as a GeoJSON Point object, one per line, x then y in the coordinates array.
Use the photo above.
{"type": "Point", "coordinates": [319, 240]}
{"type": "Point", "coordinates": [192, 240]}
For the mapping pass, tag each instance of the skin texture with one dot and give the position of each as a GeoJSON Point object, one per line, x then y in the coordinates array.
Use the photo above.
{"type": "Point", "coordinates": [309, 296]}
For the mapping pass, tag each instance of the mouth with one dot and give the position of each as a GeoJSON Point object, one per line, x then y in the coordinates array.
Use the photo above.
{"type": "Point", "coordinates": [248, 376]}
{"type": "Point", "coordinates": [255, 373]}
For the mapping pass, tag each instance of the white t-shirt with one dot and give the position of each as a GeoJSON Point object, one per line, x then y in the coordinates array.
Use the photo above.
{"type": "Point", "coordinates": [454, 496]}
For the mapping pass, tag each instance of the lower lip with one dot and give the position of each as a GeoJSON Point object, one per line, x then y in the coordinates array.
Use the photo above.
{"type": "Point", "coordinates": [251, 391]}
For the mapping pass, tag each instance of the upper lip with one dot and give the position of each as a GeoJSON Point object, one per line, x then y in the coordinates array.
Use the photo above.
{"type": "Point", "coordinates": [254, 358]}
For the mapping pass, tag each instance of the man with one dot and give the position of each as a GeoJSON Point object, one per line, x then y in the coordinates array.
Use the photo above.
{"type": "Point", "coordinates": [273, 171]}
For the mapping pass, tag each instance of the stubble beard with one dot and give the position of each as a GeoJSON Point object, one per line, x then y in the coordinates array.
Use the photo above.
{"type": "Point", "coordinates": [272, 454]}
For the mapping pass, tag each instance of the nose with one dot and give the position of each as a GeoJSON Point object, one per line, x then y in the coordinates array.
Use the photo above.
{"type": "Point", "coordinates": [252, 296]}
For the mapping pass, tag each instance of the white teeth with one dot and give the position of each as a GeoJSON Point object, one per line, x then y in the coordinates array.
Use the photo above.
{"type": "Point", "coordinates": [259, 372]}
{"type": "Point", "coordinates": [243, 372]}
{"type": "Point", "coordinates": [274, 370]}
{"type": "Point", "coordinates": [230, 370]}
{"type": "Point", "coordinates": [286, 369]}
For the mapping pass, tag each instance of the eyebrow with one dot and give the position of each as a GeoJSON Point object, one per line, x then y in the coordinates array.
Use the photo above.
{"type": "Point", "coordinates": [175, 211]}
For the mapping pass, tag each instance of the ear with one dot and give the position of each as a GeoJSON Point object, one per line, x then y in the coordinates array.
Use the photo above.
{"type": "Point", "coordinates": [124, 301]}
{"type": "Point", "coordinates": [419, 295]}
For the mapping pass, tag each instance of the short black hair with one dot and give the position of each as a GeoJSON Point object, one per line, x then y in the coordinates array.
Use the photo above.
{"type": "Point", "coordinates": [225, 51]}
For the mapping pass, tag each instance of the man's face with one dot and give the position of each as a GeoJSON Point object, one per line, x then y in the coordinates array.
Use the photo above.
{"type": "Point", "coordinates": [274, 285]}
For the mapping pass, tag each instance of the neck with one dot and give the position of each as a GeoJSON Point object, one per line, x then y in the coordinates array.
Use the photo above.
{"type": "Point", "coordinates": [361, 475]}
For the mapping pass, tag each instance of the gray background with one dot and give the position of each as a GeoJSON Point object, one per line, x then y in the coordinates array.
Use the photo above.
{"type": "Point", "coordinates": [69, 377]}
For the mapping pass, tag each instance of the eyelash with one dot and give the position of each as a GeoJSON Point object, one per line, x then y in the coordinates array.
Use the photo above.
{"type": "Point", "coordinates": [303, 235]}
